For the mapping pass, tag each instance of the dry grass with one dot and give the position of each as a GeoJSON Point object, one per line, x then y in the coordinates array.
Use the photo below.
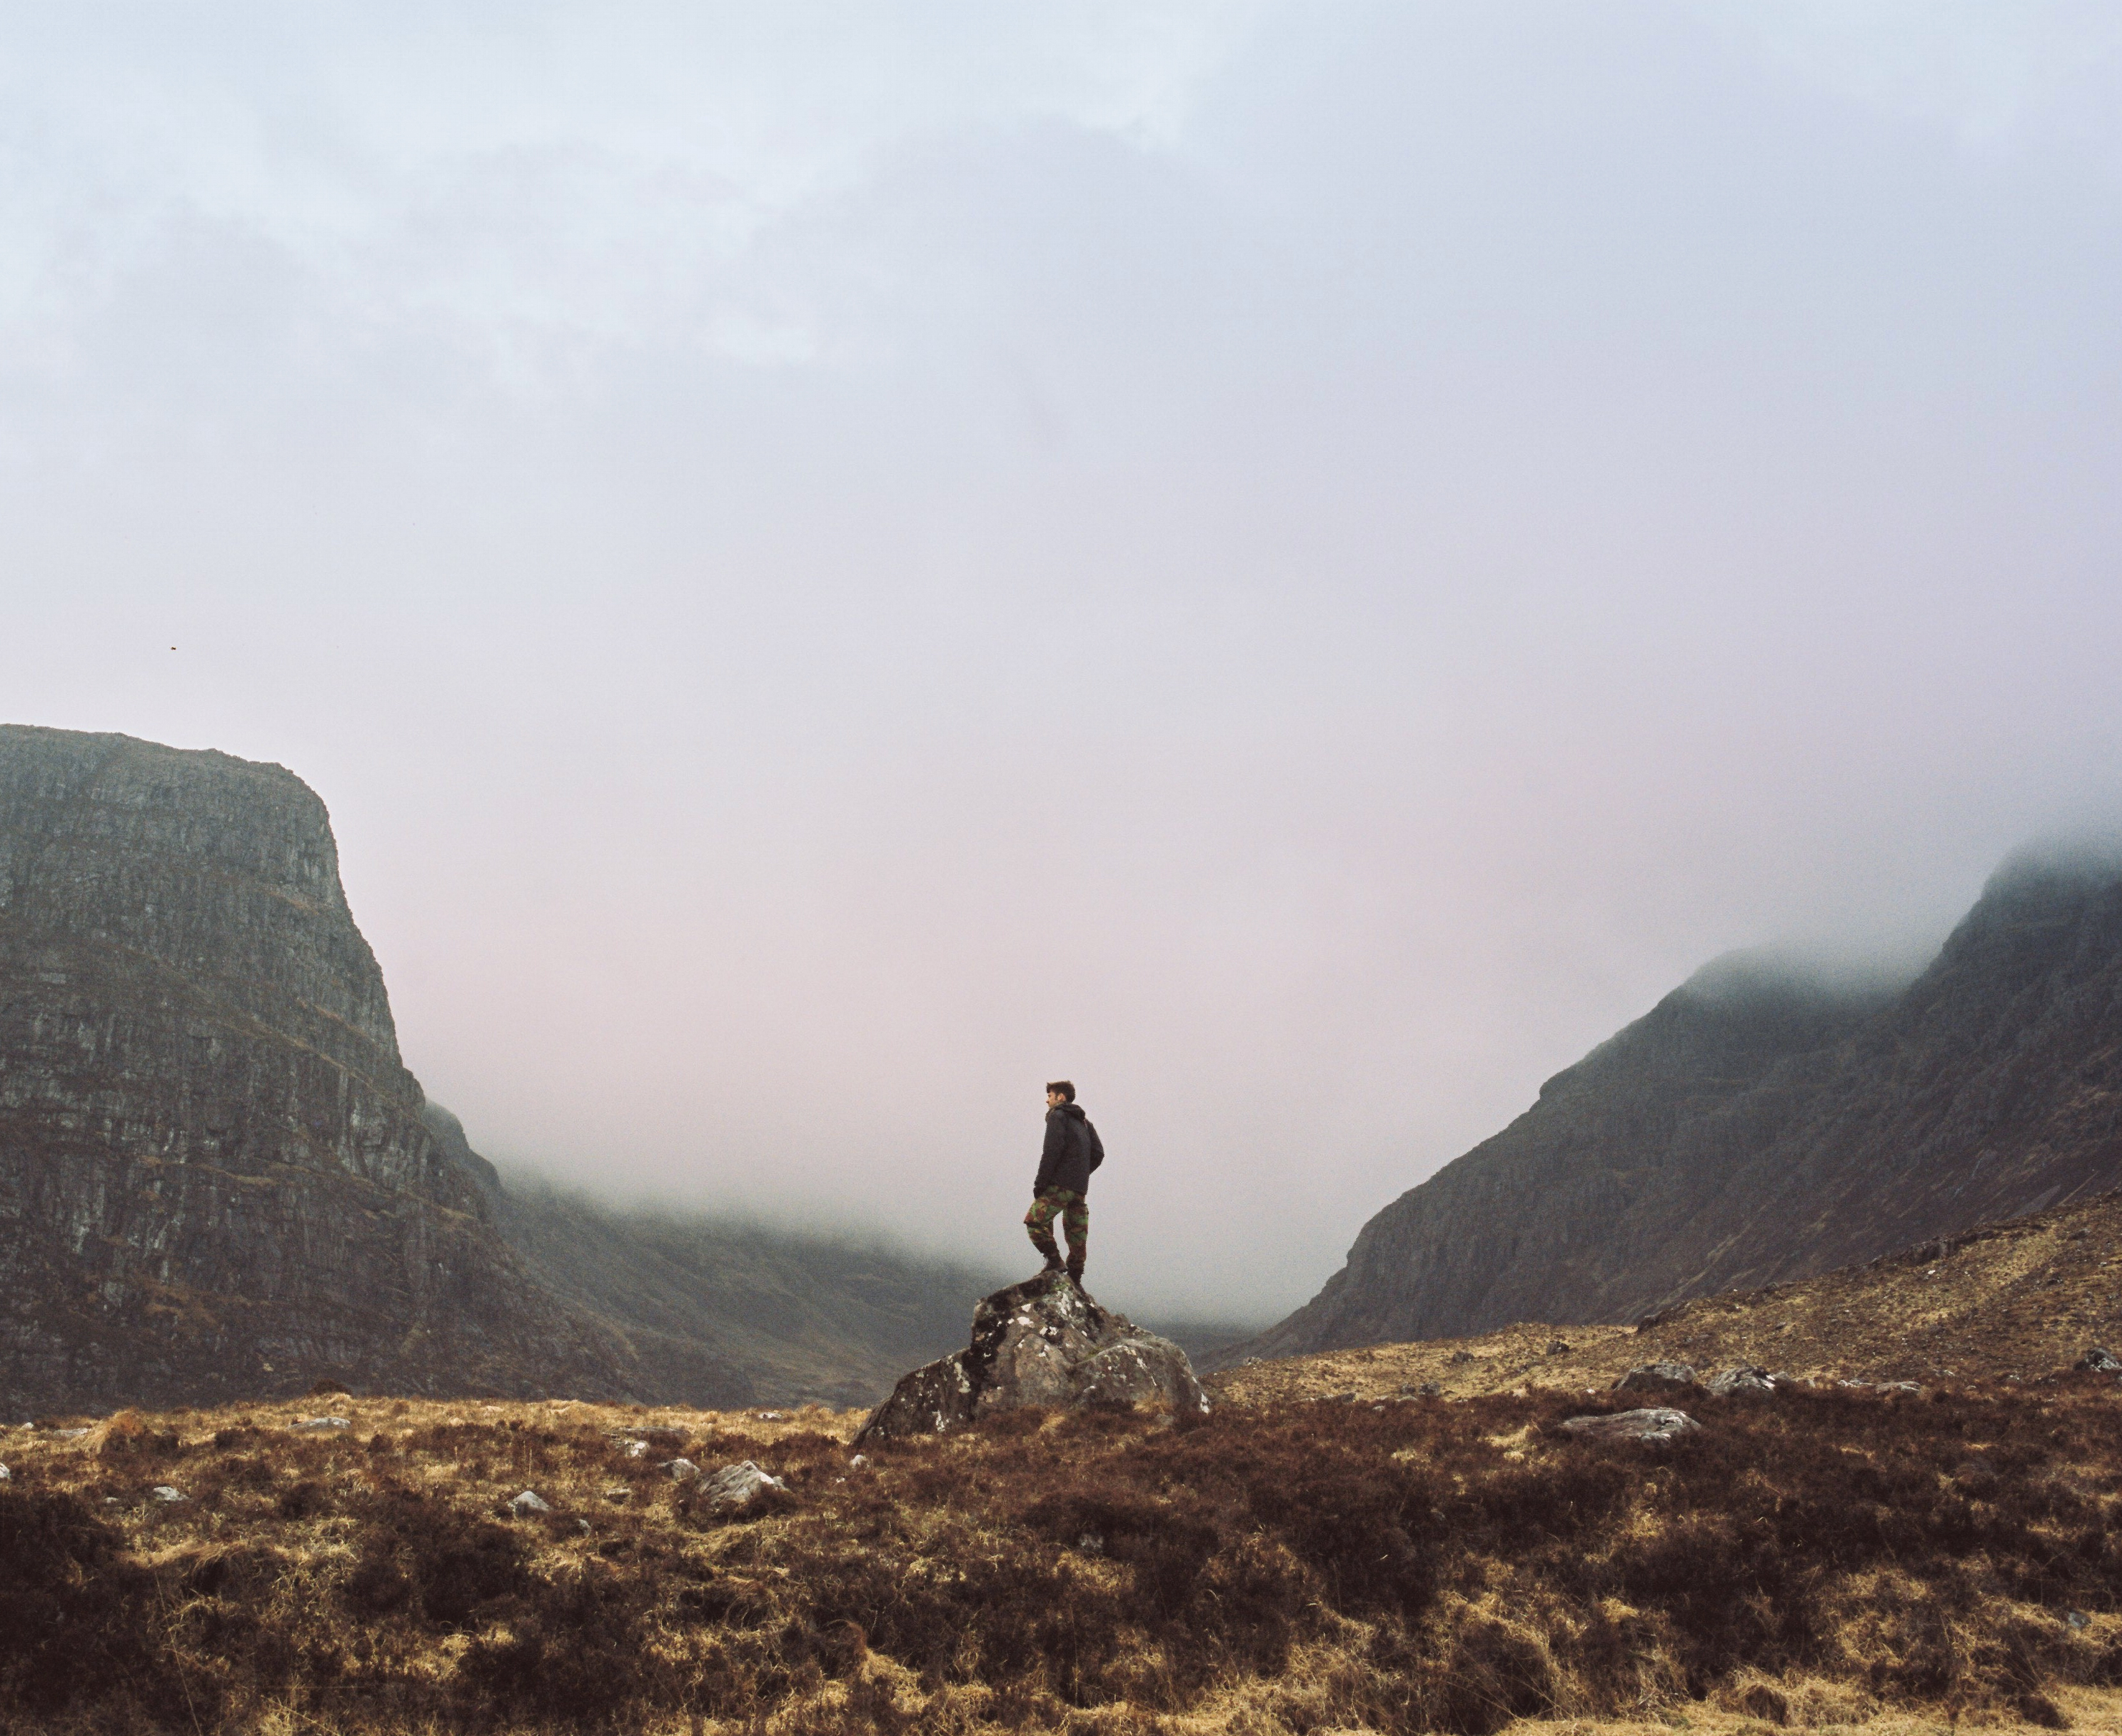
{"type": "Point", "coordinates": [2020, 1300]}
{"type": "Point", "coordinates": [1818, 1560]}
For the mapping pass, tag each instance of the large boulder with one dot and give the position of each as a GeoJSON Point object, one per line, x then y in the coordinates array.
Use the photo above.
{"type": "Point", "coordinates": [1044, 1343]}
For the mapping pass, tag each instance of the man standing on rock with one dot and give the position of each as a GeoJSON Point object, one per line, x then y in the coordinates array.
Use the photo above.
{"type": "Point", "coordinates": [1063, 1189]}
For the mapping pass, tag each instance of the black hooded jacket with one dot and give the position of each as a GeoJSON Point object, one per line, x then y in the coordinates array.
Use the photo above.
{"type": "Point", "coordinates": [1073, 1151]}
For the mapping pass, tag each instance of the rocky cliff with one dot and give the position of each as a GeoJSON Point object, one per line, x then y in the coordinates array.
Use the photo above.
{"type": "Point", "coordinates": [214, 1176]}
{"type": "Point", "coordinates": [218, 1180]}
{"type": "Point", "coordinates": [1755, 1127]}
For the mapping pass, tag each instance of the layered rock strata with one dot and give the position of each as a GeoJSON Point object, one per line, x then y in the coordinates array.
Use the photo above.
{"type": "Point", "coordinates": [215, 1176]}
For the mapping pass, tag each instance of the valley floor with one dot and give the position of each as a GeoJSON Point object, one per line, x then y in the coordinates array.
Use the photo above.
{"type": "Point", "coordinates": [1821, 1559]}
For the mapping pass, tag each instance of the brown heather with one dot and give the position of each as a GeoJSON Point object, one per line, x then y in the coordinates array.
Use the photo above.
{"type": "Point", "coordinates": [1817, 1559]}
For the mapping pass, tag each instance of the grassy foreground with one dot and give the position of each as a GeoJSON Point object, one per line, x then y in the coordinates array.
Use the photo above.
{"type": "Point", "coordinates": [1818, 1559]}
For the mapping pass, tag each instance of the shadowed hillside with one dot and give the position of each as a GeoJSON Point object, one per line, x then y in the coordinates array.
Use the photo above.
{"type": "Point", "coordinates": [1756, 1128]}
{"type": "Point", "coordinates": [807, 1318]}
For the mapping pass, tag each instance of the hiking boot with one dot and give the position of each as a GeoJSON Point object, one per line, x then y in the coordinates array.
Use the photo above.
{"type": "Point", "coordinates": [1076, 1275]}
{"type": "Point", "coordinates": [1052, 1266]}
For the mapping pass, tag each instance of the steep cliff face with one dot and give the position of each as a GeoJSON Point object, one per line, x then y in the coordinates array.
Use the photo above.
{"type": "Point", "coordinates": [215, 1178]}
{"type": "Point", "coordinates": [218, 1180]}
{"type": "Point", "coordinates": [1753, 1128]}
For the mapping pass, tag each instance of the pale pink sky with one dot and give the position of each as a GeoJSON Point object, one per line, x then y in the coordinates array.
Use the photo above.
{"type": "Point", "coordinates": [1298, 564]}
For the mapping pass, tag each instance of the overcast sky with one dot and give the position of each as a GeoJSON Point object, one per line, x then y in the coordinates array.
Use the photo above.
{"type": "Point", "coordinates": [1298, 564]}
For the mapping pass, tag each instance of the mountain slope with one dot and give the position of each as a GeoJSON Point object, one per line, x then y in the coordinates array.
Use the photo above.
{"type": "Point", "coordinates": [805, 1318]}
{"type": "Point", "coordinates": [2015, 1302]}
{"type": "Point", "coordinates": [1753, 1128]}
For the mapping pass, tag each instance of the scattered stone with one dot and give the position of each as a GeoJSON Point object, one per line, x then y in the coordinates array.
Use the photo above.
{"type": "Point", "coordinates": [582, 1525]}
{"type": "Point", "coordinates": [1460, 1357]}
{"type": "Point", "coordinates": [1651, 1425]}
{"type": "Point", "coordinates": [858, 1462]}
{"type": "Point", "coordinates": [2077, 1620]}
{"type": "Point", "coordinates": [739, 1485]}
{"type": "Point", "coordinates": [649, 1433]}
{"type": "Point", "coordinates": [164, 1492]}
{"type": "Point", "coordinates": [529, 1502]}
{"type": "Point", "coordinates": [1658, 1377]}
{"type": "Point", "coordinates": [1734, 1381]}
{"type": "Point", "coordinates": [1038, 1343]}
{"type": "Point", "coordinates": [770, 1416]}
{"type": "Point", "coordinates": [1557, 1347]}
{"type": "Point", "coordinates": [5, 1475]}
{"type": "Point", "coordinates": [2100, 1361]}
{"type": "Point", "coordinates": [323, 1422]}
{"type": "Point", "coordinates": [681, 1468]}
{"type": "Point", "coordinates": [1348, 1397]}
{"type": "Point", "coordinates": [1090, 1543]}
{"type": "Point", "coordinates": [636, 1449]}
{"type": "Point", "coordinates": [616, 1492]}
{"type": "Point", "coordinates": [1431, 1389]}
{"type": "Point", "coordinates": [69, 1433]}
{"type": "Point", "coordinates": [1901, 1386]}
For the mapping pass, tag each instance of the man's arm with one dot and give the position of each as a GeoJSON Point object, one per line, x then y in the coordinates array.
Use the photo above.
{"type": "Point", "coordinates": [1055, 1150]}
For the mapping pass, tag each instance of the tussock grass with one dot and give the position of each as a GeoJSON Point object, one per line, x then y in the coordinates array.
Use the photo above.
{"type": "Point", "coordinates": [1815, 1560]}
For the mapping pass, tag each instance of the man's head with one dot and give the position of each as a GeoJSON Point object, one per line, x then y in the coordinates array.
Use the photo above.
{"type": "Point", "coordinates": [1060, 1091]}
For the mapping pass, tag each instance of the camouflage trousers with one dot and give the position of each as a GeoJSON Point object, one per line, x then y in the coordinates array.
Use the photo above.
{"type": "Point", "coordinates": [1074, 1212]}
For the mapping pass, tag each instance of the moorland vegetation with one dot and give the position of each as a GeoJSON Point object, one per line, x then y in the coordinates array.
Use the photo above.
{"type": "Point", "coordinates": [1815, 1558]}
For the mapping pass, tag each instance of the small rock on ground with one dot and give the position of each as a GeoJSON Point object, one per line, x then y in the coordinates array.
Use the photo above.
{"type": "Point", "coordinates": [682, 1468]}
{"type": "Point", "coordinates": [164, 1492]}
{"type": "Point", "coordinates": [1733, 1381]}
{"type": "Point", "coordinates": [739, 1485]}
{"type": "Point", "coordinates": [529, 1502]}
{"type": "Point", "coordinates": [1658, 1377]}
{"type": "Point", "coordinates": [323, 1422]}
{"type": "Point", "coordinates": [1652, 1426]}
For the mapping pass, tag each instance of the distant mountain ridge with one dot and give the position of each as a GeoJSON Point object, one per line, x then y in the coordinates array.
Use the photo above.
{"type": "Point", "coordinates": [1755, 1128]}
{"type": "Point", "coordinates": [219, 1180]}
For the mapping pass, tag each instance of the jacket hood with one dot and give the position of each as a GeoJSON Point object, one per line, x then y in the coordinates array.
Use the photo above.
{"type": "Point", "coordinates": [1075, 1110]}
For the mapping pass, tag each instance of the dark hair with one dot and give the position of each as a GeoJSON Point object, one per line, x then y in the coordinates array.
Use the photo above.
{"type": "Point", "coordinates": [1063, 1087]}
